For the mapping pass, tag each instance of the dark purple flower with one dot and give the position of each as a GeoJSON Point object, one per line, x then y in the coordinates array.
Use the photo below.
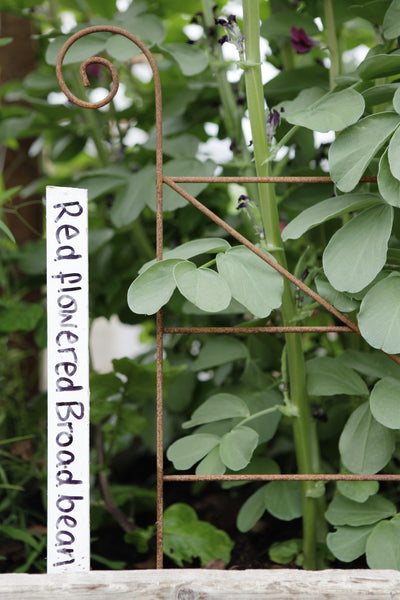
{"type": "Point", "coordinates": [93, 70]}
{"type": "Point", "coordinates": [243, 201]}
{"type": "Point", "coordinates": [223, 39]}
{"type": "Point", "coordinates": [273, 120]}
{"type": "Point", "coordinates": [233, 35]}
{"type": "Point", "coordinates": [300, 40]}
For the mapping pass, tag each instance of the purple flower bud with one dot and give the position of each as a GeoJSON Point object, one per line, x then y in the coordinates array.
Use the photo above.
{"type": "Point", "coordinates": [304, 275]}
{"type": "Point", "coordinates": [273, 120]}
{"type": "Point", "coordinates": [223, 39]}
{"type": "Point", "coordinates": [93, 70]}
{"type": "Point", "coordinates": [243, 202]}
{"type": "Point", "coordinates": [300, 40]}
{"type": "Point", "coordinates": [235, 35]}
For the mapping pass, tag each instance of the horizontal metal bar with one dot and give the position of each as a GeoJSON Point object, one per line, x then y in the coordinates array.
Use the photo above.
{"type": "Point", "coordinates": [238, 179]}
{"type": "Point", "coordinates": [286, 477]}
{"type": "Point", "coordinates": [244, 330]}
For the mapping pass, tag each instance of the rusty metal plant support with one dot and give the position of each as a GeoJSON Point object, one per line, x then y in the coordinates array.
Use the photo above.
{"type": "Point", "coordinates": [173, 182]}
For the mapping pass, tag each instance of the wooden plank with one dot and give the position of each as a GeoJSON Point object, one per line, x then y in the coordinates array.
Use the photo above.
{"type": "Point", "coordinates": [203, 584]}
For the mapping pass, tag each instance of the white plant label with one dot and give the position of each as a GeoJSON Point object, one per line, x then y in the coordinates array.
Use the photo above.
{"type": "Point", "coordinates": [68, 528]}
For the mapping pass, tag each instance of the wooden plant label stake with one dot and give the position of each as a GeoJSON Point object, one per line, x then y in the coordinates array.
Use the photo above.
{"type": "Point", "coordinates": [68, 528]}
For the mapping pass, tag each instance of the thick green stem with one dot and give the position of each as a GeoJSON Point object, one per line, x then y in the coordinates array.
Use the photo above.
{"type": "Point", "coordinates": [305, 438]}
{"type": "Point", "coordinates": [329, 23]}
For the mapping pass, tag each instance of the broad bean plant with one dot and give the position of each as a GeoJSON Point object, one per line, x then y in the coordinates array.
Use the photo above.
{"type": "Point", "coordinates": [343, 239]}
{"type": "Point", "coordinates": [257, 87]}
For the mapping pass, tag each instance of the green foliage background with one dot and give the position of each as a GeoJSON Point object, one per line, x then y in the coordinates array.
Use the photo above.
{"type": "Point", "coordinates": [342, 238]}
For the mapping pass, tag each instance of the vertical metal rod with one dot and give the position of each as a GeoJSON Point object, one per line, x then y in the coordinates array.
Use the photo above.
{"type": "Point", "coordinates": [159, 215]}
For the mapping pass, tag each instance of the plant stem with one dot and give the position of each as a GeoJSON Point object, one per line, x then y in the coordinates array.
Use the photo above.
{"type": "Point", "coordinates": [306, 442]}
{"type": "Point", "coordinates": [329, 23]}
{"type": "Point", "coordinates": [231, 113]}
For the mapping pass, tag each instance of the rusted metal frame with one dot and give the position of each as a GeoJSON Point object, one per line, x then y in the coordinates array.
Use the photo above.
{"type": "Point", "coordinates": [273, 263]}
{"type": "Point", "coordinates": [285, 477]}
{"type": "Point", "coordinates": [265, 257]}
{"type": "Point", "coordinates": [172, 181]}
{"type": "Point", "coordinates": [159, 213]}
{"type": "Point", "coordinates": [254, 179]}
{"type": "Point", "coordinates": [267, 329]}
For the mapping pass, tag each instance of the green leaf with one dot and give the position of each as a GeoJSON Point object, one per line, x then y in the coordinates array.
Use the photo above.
{"type": "Point", "coordinates": [182, 167]}
{"type": "Point", "coordinates": [5, 41]}
{"type": "Point", "coordinates": [20, 316]}
{"type": "Point", "coordinates": [100, 183]}
{"type": "Point", "coordinates": [379, 94]}
{"type": "Point", "coordinates": [365, 445]}
{"type": "Point", "coordinates": [7, 231]}
{"type": "Point", "coordinates": [354, 148]}
{"type": "Point", "coordinates": [211, 464]}
{"type": "Point", "coordinates": [191, 59]}
{"type": "Point", "coordinates": [371, 10]}
{"type": "Point", "coordinates": [187, 451]}
{"type": "Point", "coordinates": [385, 402]}
{"type": "Point", "coordinates": [185, 537]}
{"type": "Point", "coordinates": [265, 425]}
{"type": "Point", "coordinates": [327, 377]}
{"type": "Point", "coordinates": [391, 21]}
{"type": "Point", "coordinates": [98, 238]}
{"type": "Point", "coordinates": [284, 552]}
{"type": "Point", "coordinates": [103, 386]}
{"type": "Point", "coordinates": [315, 109]}
{"type": "Point", "coordinates": [89, 45]}
{"type": "Point", "coordinates": [258, 465]}
{"type": "Point", "coordinates": [372, 364]}
{"type": "Point", "coordinates": [396, 101]}
{"type": "Point", "coordinates": [140, 379]}
{"type": "Point", "coordinates": [328, 209]}
{"type": "Point", "coordinates": [131, 198]}
{"type": "Point", "coordinates": [14, 126]}
{"type": "Point", "coordinates": [237, 447]}
{"type": "Point", "coordinates": [359, 491]}
{"type": "Point", "coordinates": [278, 24]}
{"type": "Point", "coordinates": [338, 299]}
{"type": "Point", "coordinates": [252, 510]}
{"type": "Point", "coordinates": [181, 146]}
{"type": "Point", "coordinates": [356, 253]}
{"type": "Point", "coordinates": [283, 499]}
{"type": "Point", "coordinates": [379, 317]}
{"type": "Point", "coordinates": [252, 282]}
{"type": "Point", "coordinates": [394, 154]}
{"type": "Point", "coordinates": [148, 28]}
{"type": "Point", "coordinates": [219, 350]}
{"type": "Point", "coordinates": [343, 511]}
{"type": "Point", "coordinates": [153, 288]}
{"type": "Point", "coordinates": [289, 82]}
{"type": "Point", "coordinates": [218, 407]}
{"type": "Point", "coordinates": [21, 535]}
{"type": "Point", "coordinates": [348, 543]}
{"type": "Point", "coordinates": [389, 186]}
{"type": "Point", "coordinates": [379, 65]}
{"type": "Point", "coordinates": [7, 195]}
{"type": "Point", "coordinates": [193, 248]}
{"type": "Point", "coordinates": [204, 287]}
{"type": "Point", "coordinates": [383, 549]}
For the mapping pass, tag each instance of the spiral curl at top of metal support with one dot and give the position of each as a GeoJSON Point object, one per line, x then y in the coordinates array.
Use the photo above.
{"type": "Point", "coordinates": [106, 63]}
{"type": "Point", "coordinates": [115, 84]}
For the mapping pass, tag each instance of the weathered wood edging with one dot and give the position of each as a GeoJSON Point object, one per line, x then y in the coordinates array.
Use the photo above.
{"type": "Point", "coordinates": [203, 584]}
